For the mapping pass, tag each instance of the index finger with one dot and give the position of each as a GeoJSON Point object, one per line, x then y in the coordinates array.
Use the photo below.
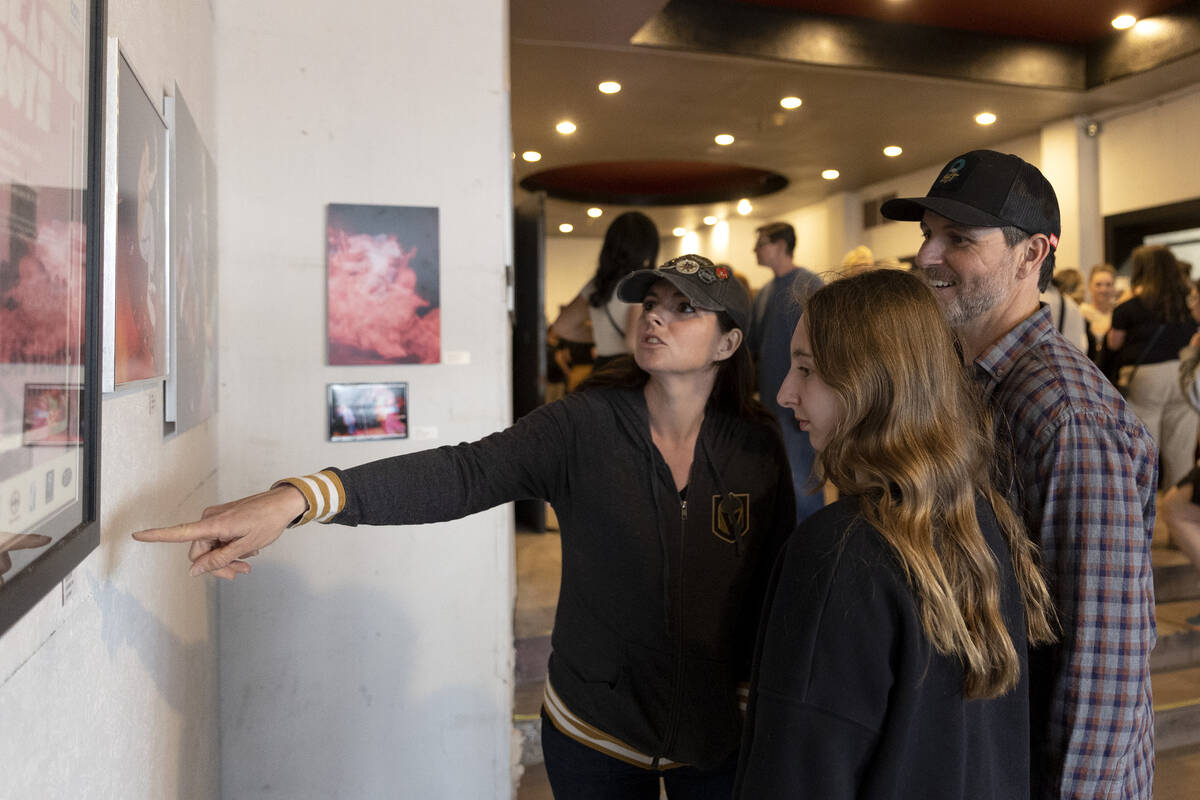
{"type": "Point", "coordinates": [187, 532]}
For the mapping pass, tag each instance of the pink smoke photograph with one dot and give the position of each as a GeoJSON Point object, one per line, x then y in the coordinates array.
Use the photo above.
{"type": "Point", "coordinates": [383, 274]}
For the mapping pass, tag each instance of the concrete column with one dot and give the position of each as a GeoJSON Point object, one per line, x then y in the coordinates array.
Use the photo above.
{"type": "Point", "coordinates": [1071, 162]}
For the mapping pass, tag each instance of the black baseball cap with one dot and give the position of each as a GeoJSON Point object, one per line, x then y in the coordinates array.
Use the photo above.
{"type": "Point", "coordinates": [986, 189]}
{"type": "Point", "coordinates": [706, 285]}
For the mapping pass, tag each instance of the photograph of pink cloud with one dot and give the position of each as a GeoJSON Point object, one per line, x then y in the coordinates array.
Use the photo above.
{"type": "Point", "coordinates": [383, 274]}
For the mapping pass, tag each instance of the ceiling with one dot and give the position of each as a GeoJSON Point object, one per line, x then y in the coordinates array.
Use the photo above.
{"type": "Point", "coordinates": [870, 72]}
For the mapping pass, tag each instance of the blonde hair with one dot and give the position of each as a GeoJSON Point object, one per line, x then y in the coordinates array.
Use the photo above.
{"type": "Point", "coordinates": [858, 259]}
{"type": "Point", "coordinates": [915, 445]}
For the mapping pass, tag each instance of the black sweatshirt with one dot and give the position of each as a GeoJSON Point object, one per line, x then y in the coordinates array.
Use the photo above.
{"type": "Point", "coordinates": [849, 699]}
{"type": "Point", "coordinates": [660, 594]}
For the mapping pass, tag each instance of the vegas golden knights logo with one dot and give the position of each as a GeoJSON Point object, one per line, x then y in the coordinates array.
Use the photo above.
{"type": "Point", "coordinates": [730, 516]}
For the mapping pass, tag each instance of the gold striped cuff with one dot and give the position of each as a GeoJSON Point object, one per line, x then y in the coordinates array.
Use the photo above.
{"type": "Point", "coordinates": [324, 492]}
{"type": "Point", "coordinates": [595, 738]}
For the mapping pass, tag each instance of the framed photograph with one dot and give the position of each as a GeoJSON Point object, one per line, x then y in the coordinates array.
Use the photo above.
{"type": "Point", "coordinates": [51, 415]}
{"type": "Point", "coordinates": [135, 274]}
{"type": "Point", "coordinates": [359, 411]}
{"type": "Point", "coordinates": [383, 272]}
{"type": "Point", "coordinates": [51, 185]}
{"type": "Point", "coordinates": [191, 388]}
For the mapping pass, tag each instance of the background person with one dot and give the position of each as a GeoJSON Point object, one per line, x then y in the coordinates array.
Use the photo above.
{"type": "Point", "coordinates": [1065, 314]}
{"type": "Point", "coordinates": [917, 687]}
{"type": "Point", "coordinates": [776, 312]}
{"type": "Point", "coordinates": [673, 496]}
{"type": "Point", "coordinates": [1102, 299]}
{"type": "Point", "coordinates": [630, 243]}
{"type": "Point", "coordinates": [1180, 506]}
{"type": "Point", "coordinates": [1147, 333]}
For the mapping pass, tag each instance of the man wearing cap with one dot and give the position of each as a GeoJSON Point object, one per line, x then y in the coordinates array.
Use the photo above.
{"type": "Point", "coordinates": [1083, 475]}
{"type": "Point", "coordinates": [776, 312]}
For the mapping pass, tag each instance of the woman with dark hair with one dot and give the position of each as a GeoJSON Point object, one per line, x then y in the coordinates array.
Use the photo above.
{"type": "Point", "coordinates": [1148, 331]}
{"type": "Point", "coordinates": [673, 496]}
{"type": "Point", "coordinates": [630, 243]}
{"type": "Point", "coordinates": [891, 658]}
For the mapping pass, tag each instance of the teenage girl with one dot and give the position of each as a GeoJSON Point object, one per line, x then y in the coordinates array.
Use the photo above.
{"type": "Point", "coordinates": [891, 660]}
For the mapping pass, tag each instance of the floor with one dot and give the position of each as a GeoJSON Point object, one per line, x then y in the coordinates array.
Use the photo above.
{"type": "Point", "coordinates": [1177, 773]}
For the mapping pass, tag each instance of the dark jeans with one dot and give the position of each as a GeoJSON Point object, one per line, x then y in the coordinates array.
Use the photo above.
{"type": "Point", "coordinates": [578, 772]}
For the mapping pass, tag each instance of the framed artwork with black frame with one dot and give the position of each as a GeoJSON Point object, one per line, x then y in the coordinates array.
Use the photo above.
{"type": "Point", "coordinates": [51, 215]}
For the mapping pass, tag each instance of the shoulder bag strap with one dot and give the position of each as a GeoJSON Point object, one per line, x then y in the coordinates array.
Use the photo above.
{"type": "Point", "coordinates": [1146, 350]}
{"type": "Point", "coordinates": [608, 313]}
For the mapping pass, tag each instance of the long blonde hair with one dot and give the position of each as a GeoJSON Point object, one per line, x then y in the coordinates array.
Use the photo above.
{"type": "Point", "coordinates": [915, 445]}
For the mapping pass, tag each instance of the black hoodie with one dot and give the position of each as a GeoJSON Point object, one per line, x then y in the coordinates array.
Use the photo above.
{"type": "Point", "coordinates": [660, 593]}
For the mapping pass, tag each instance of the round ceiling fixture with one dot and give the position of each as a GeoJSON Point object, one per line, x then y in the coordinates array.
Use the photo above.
{"type": "Point", "coordinates": [653, 183]}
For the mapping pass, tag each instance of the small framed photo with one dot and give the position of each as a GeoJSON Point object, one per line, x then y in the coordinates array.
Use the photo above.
{"type": "Point", "coordinates": [51, 414]}
{"type": "Point", "coordinates": [359, 411]}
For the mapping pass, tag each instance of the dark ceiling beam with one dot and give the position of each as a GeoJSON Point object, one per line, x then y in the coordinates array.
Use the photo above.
{"type": "Point", "coordinates": [856, 43]}
{"type": "Point", "coordinates": [721, 26]}
{"type": "Point", "coordinates": [1155, 41]}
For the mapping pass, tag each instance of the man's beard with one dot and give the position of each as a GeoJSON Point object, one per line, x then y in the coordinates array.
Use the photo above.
{"type": "Point", "coordinates": [972, 300]}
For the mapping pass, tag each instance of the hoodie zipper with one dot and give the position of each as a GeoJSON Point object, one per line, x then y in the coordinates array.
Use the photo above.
{"type": "Point", "coordinates": [677, 699]}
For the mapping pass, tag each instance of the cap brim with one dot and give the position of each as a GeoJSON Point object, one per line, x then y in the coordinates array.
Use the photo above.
{"type": "Point", "coordinates": [633, 288]}
{"type": "Point", "coordinates": [912, 209]}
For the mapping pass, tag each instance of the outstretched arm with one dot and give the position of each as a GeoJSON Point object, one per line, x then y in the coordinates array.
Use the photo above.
{"type": "Point", "coordinates": [226, 535]}
{"type": "Point", "coordinates": [429, 486]}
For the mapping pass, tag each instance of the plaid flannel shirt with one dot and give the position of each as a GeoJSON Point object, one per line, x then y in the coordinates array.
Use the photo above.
{"type": "Point", "coordinates": [1084, 471]}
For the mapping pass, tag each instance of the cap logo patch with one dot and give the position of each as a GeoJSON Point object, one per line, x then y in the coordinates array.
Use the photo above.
{"type": "Point", "coordinates": [722, 273]}
{"type": "Point", "coordinates": [953, 171]}
{"type": "Point", "coordinates": [706, 275]}
{"type": "Point", "coordinates": [685, 267]}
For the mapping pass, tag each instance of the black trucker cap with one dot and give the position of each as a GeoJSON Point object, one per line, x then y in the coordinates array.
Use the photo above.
{"type": "Point", "coordinates": [986, 189]}
{"type": "Point", "coordinates": [706, 285]}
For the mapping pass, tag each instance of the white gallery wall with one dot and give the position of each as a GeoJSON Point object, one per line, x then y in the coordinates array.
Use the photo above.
{"type": "Point", "coordinates": [368, 662]}
{"type": "Point", "coordinates": [111, 694]}
{"type": "Point", "coordinates": [1148, 153]}
{"type": "Point", "coordinates": [570, 263]}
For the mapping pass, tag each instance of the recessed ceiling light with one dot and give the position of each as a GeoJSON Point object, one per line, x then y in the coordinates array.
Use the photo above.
{"type": "Point", "coordinates": [723, 138]}
{"type": "Point", "coordinates": [566, 227]}
{"type": "Point", "coordinates": [744, 207]}
{"type": "Point", "coordinates": [985, 118]}
{"type": "Point", "coordinates": [711, 220]}
{"type": "Point", "coordinates": [566, 127]}
{"type": "Point", "coordinates": [594, 212]}
{"type": "Point", "coordinates": [609, 87]}
{"type": "Point", "coordinates": [831, 174]}
{"type": "Point", "coordinates": [791, 102]}
{"type": "Point", "coordinates": [1124, 21]}
{"type": "Point", "coordinates": [893, 150]}
{"type": "Point", "coordinates": [531, 156]}
{"type": "Point", "coordinates": [680, 232]}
